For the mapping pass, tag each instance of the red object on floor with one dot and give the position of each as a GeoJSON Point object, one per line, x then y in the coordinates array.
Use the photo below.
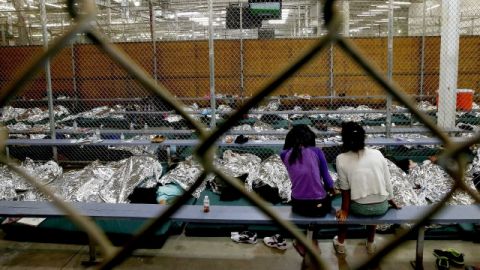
{"type": "Point", "coordinates": [464, 99]}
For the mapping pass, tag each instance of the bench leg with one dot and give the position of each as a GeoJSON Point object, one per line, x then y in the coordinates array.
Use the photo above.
{"type": "Point", "coordinates": [92, 254]}
{"type": "Point", "coordinates": [307, 260]}
{"type": "Point", "coordinates": [419, 251]}
{"type": "Point", "coordinates": [310, 232]}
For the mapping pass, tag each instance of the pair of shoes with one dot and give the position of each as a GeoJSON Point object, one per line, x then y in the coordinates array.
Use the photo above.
{"type": "Point", "coordinates": [371, 247]}
{"type": "Point", "coordinates": [339, 247]}
{"type": "Point", "coordinates": [244, 237]}
{"type": "Point", "coordinates": [241, 139]}
{"type": "Point", "coordinates": [158, 139]}
{"type": "Point", "coordinates": [442, 263]}
{"type": "Point", "coordinates": [276, 241]}
{"type": "Point", "coordinates": [454, 257]}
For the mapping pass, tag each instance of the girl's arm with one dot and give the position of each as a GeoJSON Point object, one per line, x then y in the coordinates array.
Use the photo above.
{"type": "Point", "coordinates": [324, 173]}
{"type": "Point", "coordinates": [342, 214]}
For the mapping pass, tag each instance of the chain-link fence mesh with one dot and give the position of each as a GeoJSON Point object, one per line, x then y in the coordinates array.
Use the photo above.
{"type": "Point", "coordinates": [216, 69]}
{"type": "Point", "coordinates": [252, 42]}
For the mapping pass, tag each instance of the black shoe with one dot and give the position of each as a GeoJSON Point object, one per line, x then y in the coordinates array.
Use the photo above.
{"type": "Point", "coordinates": [454, 257]}
{"type": "Point", "coordinates": [244, 237]}
{"type": "Point", "coordinates": [241, 139]}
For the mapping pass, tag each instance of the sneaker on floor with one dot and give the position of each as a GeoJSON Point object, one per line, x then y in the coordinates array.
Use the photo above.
{"type": "Point", "coordinates": [454, 257]}
{"type": "Point", "coordinates": [442, 263]}
{"type": "Point", "coordinates": [371, 247]}
{"type": "Point", "coordinates": [276, 241]}
{"type": "Point", "coordinates": [339, 247]}
{"type": "Point", "coordinates": [244, 237]}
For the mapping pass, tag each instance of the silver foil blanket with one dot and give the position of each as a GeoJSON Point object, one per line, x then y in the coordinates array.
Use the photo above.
{"type": "Point", "coordinates": [31, 115]}
{"type": "Point", "coordinates": [426, 106]}
{"type": "Point", "coordinates": [259, 127]}
{"type": "Point", "coordinates": [403, 190]}
{"type": "Point", "coordinates": [185, 174]}
{"type": "Point", "coordinates": [16, 188]}
{"type": "Point", "coordinates": [434, 183]}
{"type": "Point", "coordinates": [139, 150]}
{"type": "Point", "coordinates": [84, 185]}
{"type": "Point", "coordinates": [272, 172]}
{"type": "Point", "coordinates": [412, 137]}
{"type": "Point", "coordinates": [7, 188]}
{"type": "Point", "coordinates": [116, 111]}
{"type": "Point", "coordinates": [111, 182]}
{"type": "Point", "coordinates": [356, 117]}
{"type": "Point", "coordinates": [474, 168]}
{"type": "Point", "coordinates": [46, 173]}
{"type": "Point", "coordinates": [235, 164]}
{"type": "Point", "coordinates": [129, 173]}
{"type": "Point", "coordinates": [272, 106]}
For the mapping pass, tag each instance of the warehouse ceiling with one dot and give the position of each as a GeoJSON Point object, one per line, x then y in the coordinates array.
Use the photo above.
{"type": "Point", "coordinates": [139, 20]}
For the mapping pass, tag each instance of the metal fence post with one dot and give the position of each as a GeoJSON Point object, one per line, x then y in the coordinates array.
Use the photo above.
{"type": "Point", "coordinates": [388, 124]}
{"type": "Point", "coordinates": [153, 36]}
{"type": "Point", "coordinates": [43, 18]}
{"type": "Point", "coordinates": [242, 87]}
{"type": "Point", "coordinates": [422, 53]}
{"type": "Point", "coordinates": [212, 64]}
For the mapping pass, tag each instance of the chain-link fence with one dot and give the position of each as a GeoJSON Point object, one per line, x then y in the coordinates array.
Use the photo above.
{"type": "Point", "coordinates": [215, 71]}
{"type": "Point", "coordinates": [221, 62]}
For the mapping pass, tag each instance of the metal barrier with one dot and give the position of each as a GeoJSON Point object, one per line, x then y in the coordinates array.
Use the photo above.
{"type": "Point", "coordinates": [452, 159]}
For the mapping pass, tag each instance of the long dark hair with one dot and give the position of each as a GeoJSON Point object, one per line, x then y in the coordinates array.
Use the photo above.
{"type": "Point", "coordinates": [353, 137]}
{"type": "Point", "coordinates": [299, 136]}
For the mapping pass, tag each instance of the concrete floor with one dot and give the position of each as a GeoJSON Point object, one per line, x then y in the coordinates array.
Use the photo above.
{"type": "Point", "coordinates": [181, 252]}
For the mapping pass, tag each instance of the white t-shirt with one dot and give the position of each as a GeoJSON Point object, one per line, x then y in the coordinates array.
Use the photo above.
{"type": "Point", "coordinates": [366, 175]}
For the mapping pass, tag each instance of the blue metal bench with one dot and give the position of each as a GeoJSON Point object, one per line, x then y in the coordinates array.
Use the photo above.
{"type": "Point", "coordinates": [245, 215]}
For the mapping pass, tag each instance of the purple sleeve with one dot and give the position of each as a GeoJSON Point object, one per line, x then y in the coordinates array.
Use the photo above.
{"type": "Point", "coordinates": [283, 155]}
{"type": "Point", "coordinates": [322, 162]}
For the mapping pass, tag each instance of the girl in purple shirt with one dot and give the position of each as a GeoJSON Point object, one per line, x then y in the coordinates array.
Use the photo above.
{"type": "Point", "coordinates": [308, 171]}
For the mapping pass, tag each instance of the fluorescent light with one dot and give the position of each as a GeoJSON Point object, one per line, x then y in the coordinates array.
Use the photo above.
{"type": "Point", "coordinates": [401, 3]}
{"type": "Point", "coordinates": [53, 5]}
{"type": "Point", "coordinates": [276, 21]}
{"type": "Point", "coordinates": [432, 7]}
{"type": "Point", "coordinates": [187, 14]}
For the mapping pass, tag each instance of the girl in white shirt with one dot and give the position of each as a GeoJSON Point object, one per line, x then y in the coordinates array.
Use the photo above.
{"type": "Point", "coordinates": [364, 180]}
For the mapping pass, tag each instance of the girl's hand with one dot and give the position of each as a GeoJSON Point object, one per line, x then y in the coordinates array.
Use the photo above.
{"type": "Point", "coordinates": [341, 216]}
{"type": "Point", "coordinates": [394, 204]}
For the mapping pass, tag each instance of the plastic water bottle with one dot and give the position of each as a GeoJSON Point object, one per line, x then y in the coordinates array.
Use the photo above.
{"type": "Point", "coordinates": [132, 126]}
{"type": "Point", "coordinates": [145, 126]}
{"type": "Point", "coordinates": [122, 136]}
{"type": "Point", "coordinates": [97, 134]}
{"type": "Point", "coordinates": [206, 204]}
{"type": "Point", "coordinates": [75, 125]}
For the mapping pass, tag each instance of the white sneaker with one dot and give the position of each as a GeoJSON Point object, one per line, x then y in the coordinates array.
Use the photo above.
{"type": "Point", "coordinates": [244, 237]}
{"type": "Point", "coordinates": [339, 247]}
{"type": "Point", "coordinates": [371, 247]}
{"type": "Point", "coordinates": [276, 241]}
